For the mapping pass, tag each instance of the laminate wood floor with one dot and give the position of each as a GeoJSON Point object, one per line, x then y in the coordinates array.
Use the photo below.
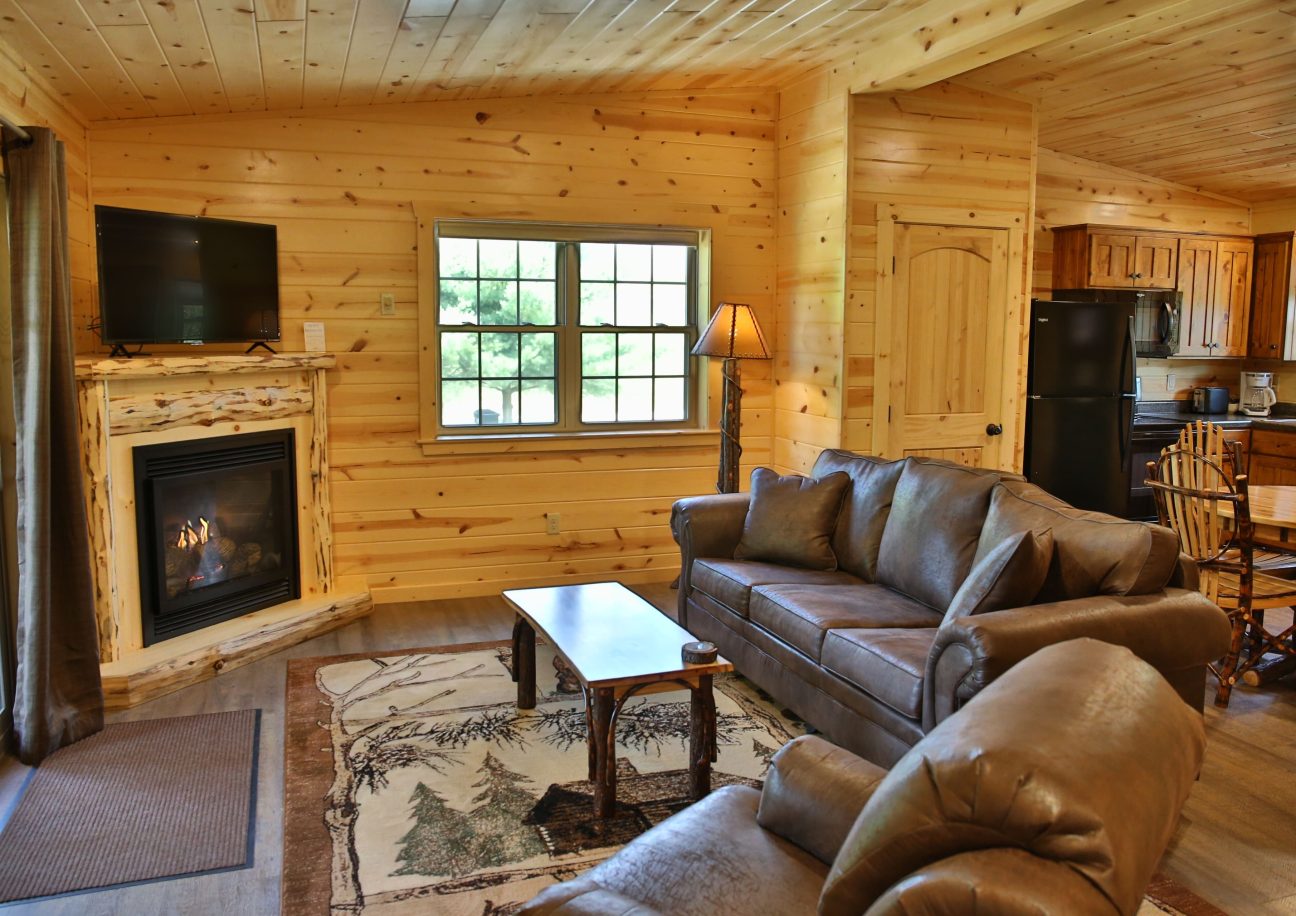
{"type": "Point", "coordinates": [1236, 845]}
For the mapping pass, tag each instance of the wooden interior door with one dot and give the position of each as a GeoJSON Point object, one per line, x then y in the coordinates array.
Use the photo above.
{"type": "Point", "coordinates": [1232, 306]}
{"type": "Point", "coordinates": [950, 309]}
{"type": "Point", "coordinates": [1111, 259]}
{"type": "Point", "coordinates": [1155, 258]}
{"type": "Point", "coordinates": [1197, 282]}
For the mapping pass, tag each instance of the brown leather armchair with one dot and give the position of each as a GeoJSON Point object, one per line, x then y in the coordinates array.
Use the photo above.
{"type": "Point", "coordinates": [1055, 789]}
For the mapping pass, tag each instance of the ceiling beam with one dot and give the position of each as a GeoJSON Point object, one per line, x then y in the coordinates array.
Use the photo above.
{"type": "Point", "coordinates": [919, 45]}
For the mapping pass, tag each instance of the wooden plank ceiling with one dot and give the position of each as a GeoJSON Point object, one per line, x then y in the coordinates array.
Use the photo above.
{"type": "Point", "coordinates": [143, 58]}
{"type": "Point", "coordinates": [1201, 92]}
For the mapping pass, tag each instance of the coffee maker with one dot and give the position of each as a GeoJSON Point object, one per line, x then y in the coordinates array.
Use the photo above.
{"type": "Point", "coordinates": [1257, 394]}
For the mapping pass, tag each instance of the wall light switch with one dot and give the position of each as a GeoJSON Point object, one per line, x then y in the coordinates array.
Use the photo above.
{"type": "Point", "coordinates": [313, 334]}
{"type": "Point", "coordinates": [553, 523]}
{"type": "Point", "coordinates": [387, 303]}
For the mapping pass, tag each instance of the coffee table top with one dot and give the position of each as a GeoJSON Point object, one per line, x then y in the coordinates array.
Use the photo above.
{"type": "Point", "coordinates": [608, 634]}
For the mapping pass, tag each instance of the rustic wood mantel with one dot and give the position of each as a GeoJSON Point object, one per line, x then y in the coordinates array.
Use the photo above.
{"type": "Point", "coordinates": [127, 403]}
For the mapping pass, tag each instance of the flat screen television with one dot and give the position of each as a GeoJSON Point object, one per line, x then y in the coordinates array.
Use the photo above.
{"type": "Point", "coordinates": [166, 278]}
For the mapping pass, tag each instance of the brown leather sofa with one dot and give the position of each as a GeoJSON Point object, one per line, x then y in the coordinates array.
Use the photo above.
{"type": "Point", "coordinates": [867, 654]}
{"type": "Point", "coordinates": [1056, 790]}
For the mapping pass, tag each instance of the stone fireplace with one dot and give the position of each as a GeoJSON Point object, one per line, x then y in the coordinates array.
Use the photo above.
{"type": "Point", "coordinates": [208, 503]}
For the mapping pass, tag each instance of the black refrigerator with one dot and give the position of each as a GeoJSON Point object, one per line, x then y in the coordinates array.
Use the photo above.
{"type": "Point", "coordinates": [1080, 402]}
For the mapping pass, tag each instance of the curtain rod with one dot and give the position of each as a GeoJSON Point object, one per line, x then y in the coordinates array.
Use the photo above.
{"type": "Point", "coordinates": [21, 136]}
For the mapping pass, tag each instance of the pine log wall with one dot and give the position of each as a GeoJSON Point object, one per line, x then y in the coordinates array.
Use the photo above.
{"type": "Point", "coordinates": [943, 146]}
{"type": "Point", "coordinates": [812, 138]}
{"type": "Point", "coordinates": [1071, 190]}
{"type": "Point", "coordinates": [340, 185]}
{"type": "Point", "coordinates": [27, 99]}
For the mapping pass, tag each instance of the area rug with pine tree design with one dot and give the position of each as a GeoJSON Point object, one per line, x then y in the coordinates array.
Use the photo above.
{"type": "Point", "coordinates": [414, 785]}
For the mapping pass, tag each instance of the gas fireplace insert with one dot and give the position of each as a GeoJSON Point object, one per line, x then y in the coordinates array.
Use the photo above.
{"type": "Point", "coordinates": [216, 525]}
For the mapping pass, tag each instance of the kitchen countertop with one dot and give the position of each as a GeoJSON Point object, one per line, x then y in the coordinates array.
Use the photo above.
{"type": "Point", "coordinates": [1149, 413]}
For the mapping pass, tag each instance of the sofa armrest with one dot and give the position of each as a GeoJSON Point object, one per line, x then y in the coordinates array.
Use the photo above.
{"type": "Point", "coordinates": [1172, 630]}
{"type": "Point", "coordinates": [814, 792]}
{"type": "Point", "coordinates": [583, 897]}
{"type": "Point", "coordinates": [1185, 575]}
{"type": "Point", "coordinates": [705, 526]}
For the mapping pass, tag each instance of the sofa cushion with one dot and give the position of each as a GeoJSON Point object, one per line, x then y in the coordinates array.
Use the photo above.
{"type": "Point", "coordinates": [791, 519]}
{"type": "Point", "coordinates": [931, 536]}
{"type": "Point", "coordinates": [801, 615]}
{"type": "Point", "coordinates": [1008, 576]}
{"type": "Point", "coordinates": [887, 664]}
{"type": "Point", "coordinates": [864, 510]}
{"type": "Point", "coordinates": [1093, 553]}
{"type": "Point", "coordinates": [730, 581]}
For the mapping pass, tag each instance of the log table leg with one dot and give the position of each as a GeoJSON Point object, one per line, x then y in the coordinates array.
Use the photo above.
{"type": "Point", "coordinates": [524, 663]}
{"type": "Point", "coordinates": [517, 636]}
{"type": "Point", "coordinates": [605, 779]}
{"type": "Point", "coordinates": [588, 696]}
{"type": "Point", "coordinates": [702, 737]}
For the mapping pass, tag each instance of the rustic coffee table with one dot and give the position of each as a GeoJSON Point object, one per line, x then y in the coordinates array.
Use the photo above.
{"type": "Point", "coordinates": [619, 646]}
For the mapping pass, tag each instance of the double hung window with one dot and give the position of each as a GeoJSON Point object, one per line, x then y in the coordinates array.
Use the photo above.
{"type": "Point", "coordinates": [564, 328]}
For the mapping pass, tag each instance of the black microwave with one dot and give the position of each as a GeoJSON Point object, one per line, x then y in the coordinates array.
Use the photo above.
{"type": "Point", "coordinates": [1156, 315]}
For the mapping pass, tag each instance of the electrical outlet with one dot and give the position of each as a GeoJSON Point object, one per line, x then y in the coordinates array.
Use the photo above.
{"type": "Point", "coordinates": [553, 523]}
{"type": "Point", "coordinates": [387, 302]}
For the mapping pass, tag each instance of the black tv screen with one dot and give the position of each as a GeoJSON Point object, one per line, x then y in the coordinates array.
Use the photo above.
{"type": "Point", "coordinates": [165, 278]}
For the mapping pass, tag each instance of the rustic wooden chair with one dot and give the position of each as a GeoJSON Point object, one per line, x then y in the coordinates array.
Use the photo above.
{"type": "Point", "coordinates": [1190, 488]}
{"type": "Point", "coordinates": [1207, 439]}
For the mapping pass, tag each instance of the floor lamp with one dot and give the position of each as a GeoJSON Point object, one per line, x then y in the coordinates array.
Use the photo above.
{"type": "Point", "coordinates": [732, 335]}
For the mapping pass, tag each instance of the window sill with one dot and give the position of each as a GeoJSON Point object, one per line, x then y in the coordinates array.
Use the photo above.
{"type": "Point", "coordinates": [533, 443]}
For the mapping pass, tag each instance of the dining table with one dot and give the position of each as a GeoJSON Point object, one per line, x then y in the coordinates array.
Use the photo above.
{"type": "Point", "coordinates": [1273, 514]}
{"type": "Point", "coordinates": [1273, 521]}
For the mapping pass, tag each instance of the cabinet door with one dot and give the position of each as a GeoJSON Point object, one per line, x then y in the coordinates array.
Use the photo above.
{"type": "Point", "coordinates": [1271, 470]}
{"type": "Point", "coordinates": [1155, 261]}
{"type": "Point", "coordinates": [1196, 280]}
{"type": "Point", "coordinates": [1270, 301]}
{"type": "Point", "coordinates": [1111, 259]}
{"type": "Point", "coordinates": [1231, 308]}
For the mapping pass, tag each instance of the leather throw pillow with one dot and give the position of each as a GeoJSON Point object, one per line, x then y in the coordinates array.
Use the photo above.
{"type": "Point", "coordinates": [1009, 576]}
{"type": "Point", "coordinates": [791, 519]}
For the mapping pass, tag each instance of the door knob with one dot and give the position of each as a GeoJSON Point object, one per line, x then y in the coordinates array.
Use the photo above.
{"type": "Point", "coordinates": [993, 429]}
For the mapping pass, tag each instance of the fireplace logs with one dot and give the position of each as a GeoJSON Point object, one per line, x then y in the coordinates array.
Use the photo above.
{"type": "Point", "coordinates": [200, 555]}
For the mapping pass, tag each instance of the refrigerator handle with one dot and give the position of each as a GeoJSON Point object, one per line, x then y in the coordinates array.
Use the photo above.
{"type": "Point", "coordinates": [1126, 433]}
{"type": "Point", "coordinates": [1128, 370]}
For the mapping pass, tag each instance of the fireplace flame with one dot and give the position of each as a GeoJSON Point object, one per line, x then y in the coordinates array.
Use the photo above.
{"type": "Point", "coordinates": [191, 537]}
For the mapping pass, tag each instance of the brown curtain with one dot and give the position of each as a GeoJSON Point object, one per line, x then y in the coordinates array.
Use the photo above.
{"type": "Point", "coordinates": [59, 697]}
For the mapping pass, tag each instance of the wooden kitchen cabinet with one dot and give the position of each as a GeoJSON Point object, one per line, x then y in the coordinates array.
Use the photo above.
{"type": "Point", "coordinates": [1273, 458]}
{"type": "Point", "coordinates": [1231, 310]}
{"type": "Point", "coordinates": [1156, 261]}
{"type": "Point", "coordinates": [1197, 259]}
{"type": "Point", "coordinates": [1273, 300]}
{"type": "Point", "coordinates": [1103, 257]}
{"type": "Point", "coordinates": [1215, 279]}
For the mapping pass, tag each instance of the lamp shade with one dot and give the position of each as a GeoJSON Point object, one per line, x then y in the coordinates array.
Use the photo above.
{"type": "Point", "coordinates": [733, 333]}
